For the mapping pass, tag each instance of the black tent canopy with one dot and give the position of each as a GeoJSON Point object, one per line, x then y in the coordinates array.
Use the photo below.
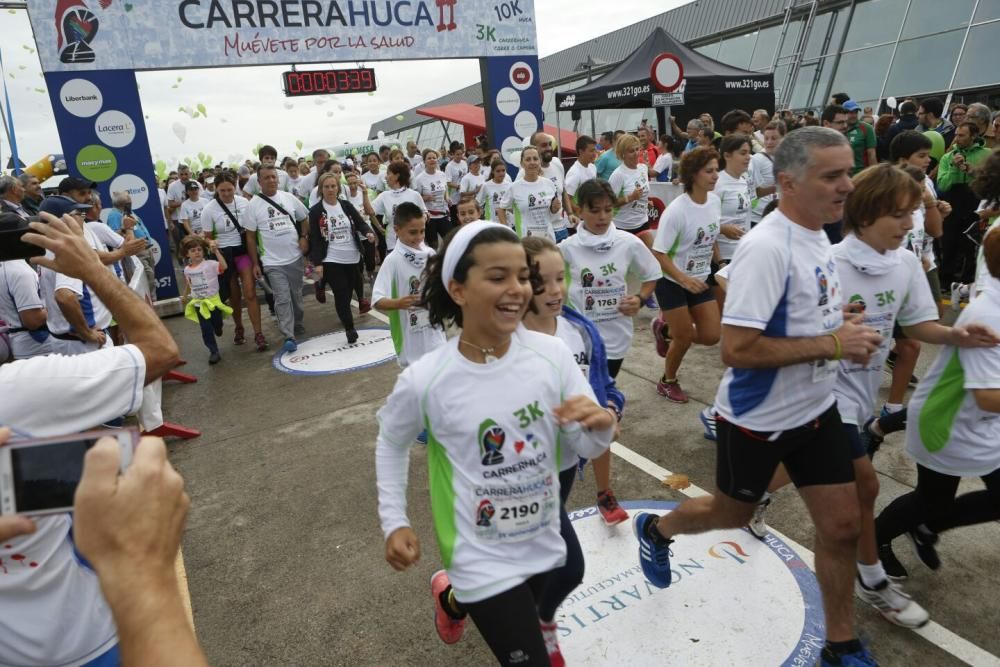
{"type": "Point", "coordinates": [709, 85]}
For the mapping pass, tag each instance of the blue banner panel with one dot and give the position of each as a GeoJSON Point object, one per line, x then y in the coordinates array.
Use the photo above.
{"type": "Point", "coordinates": [512, 98]}
{"type": "Point", "coordinates": [103, 136]}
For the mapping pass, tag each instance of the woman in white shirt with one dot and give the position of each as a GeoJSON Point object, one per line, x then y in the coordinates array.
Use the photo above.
{"type": "Point", "coordinates": [735, 194]}
{"type": "Point", "coordinates": [532, 201]}
{"type": "Point", "coordinates": [432, 185]}
{"type": "Point", "coordinates": [372, 177]}
{"type": "Point", "coordinates": [762, 170]}
{"type": "Point", "coordinates": [494, 190]}
{"type": "Point", "coordinates": [630, 182]}
{"type": "Point", "coordinates": [685, 246]}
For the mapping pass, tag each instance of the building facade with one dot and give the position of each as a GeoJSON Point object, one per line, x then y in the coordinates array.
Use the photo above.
{"type": "Point", "coordinates": [871, 49]}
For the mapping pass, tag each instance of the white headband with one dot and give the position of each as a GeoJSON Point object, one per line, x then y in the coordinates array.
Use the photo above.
{"type": "Point", "coordinates": [460, 243]}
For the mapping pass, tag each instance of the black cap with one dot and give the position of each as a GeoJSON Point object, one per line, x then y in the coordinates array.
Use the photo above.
{"type": "Point", "coordinates": [192, 185]}
{"type": "Point", "coordinates": [60, 205]}
{"type": "Point", "coordinates": [75, 183]}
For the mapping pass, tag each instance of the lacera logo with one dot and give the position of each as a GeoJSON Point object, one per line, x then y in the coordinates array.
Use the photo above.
{"type": "Point", "coordinates": [76, 27]}
{"type": "Point", "coordinates": [728, 549]}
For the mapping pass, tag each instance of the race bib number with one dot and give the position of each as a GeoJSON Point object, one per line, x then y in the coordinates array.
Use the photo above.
{"type": "Point", "coordinates": [281, 225]}
{"type": "Point", "coordinates": [601, 304]}
{"type": "Point", "coordinates": [199, 286]}
{"type": "Point", "coordinates": [516, 512]}
{"type": "Point", "coordinates": [417, 319]}
{"type": "Point", "coordinates": [699, 262]}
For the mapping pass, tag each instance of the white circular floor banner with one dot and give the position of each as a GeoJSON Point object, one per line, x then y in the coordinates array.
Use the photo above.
{"type": "Point", "coordinates": [331, 353]}
{"type": "Point", "coordinates": [733, 600]}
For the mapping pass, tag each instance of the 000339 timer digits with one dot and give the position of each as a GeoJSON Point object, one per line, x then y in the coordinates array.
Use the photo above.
{"type": "Point", "coordinates": [328, 82]}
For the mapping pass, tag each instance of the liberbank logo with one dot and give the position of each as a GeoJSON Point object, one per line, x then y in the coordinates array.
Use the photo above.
{"type": "Point", "coordinates": [733, 599]}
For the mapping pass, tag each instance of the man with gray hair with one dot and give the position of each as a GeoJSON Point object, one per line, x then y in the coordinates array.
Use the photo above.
{"type": "Point", "coordinates": [11, 195]}
{"type": "Point", "coordinates": [981, 115]}
{"type": "Point", "coordinates": [783, 334]}
{"type": "Point", "coordinates": [125, 221]}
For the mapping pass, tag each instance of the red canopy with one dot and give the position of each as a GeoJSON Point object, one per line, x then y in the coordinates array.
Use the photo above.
{"type": "Point", "coordinates": [473, 120]}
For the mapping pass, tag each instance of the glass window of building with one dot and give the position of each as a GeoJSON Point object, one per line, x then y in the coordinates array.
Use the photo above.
{"type": "Point", "coordinates": [711, 50]}
{"type": "Point", "coordinates": [914, 72]}
{"type": "Point", "coordinates": [871, 23]}
{"type": "Point", "coordinates": [811, 84]}
{"type": "Point", "coordinates": [736, 51]}
{"type": "Point", "coordinates": [930, 16]}
{"type": "Point", "coordinates": [861, 73]}
{"type": "Point", "coordinates": [978, 68]}
{"type": "Point", "coordinates": [987, 9]}
{"type": "Point", "coordinates": [829, 24]}
{"type": "Point", "coordinates": [763, 52]}
{"type": "Point", "coordinates": [791, 38]}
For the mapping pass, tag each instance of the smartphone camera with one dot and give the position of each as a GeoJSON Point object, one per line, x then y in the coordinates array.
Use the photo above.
{"type": "Point", "coordinates": [12, 246]}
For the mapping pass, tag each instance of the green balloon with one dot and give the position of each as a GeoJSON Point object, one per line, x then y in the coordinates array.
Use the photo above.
{"type": "Point", "coordinates": [937, 143]}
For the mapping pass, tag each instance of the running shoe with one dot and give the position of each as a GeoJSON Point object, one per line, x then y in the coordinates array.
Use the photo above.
{"type": "Point", "coordinates": [893, 603]}
{"type": "Point", "coordinates": [860, 658]}
{"type": "Point", "coordinates": [300, 330]}
{"type": "Point", "coordinates": [239, 337]}
{"type": "Point", "coordinates": [364, 306]}
{"type": "Point", "coordinates": [550, 633]}
{"type": "Point", "coordinates": [893, 568]}
{"type": "Point", "coordinates": [260, 342]}
{"type": "Point", "coordinates": [214, 358]}
{"type": "Point", "coordinates": [672, 390]}
{"type": "Point", "coordinates": [956, 296]}
{"type": "Point", "coordinates": [217, 328]}
{"type": "Point", "coordinates": [610, 510]}
{"type": "Point", "coordinates": [871, 440]}
{"type": "Point", "coordinates": [660, 334]}
{"type": "Point", "coordinates": [654, 552]}
{"type": "Point", "coordinates": [707, 417]}
{"type": "Point", "coordinates": [650, 302]}
{"type": "Point", "coordinates": [320, 291]}
{"type": "Point", "coordinates": [289, 345]}
{"type": "Point", "coordinates": [449, 629]}
{"type": "Point", "coordinates": [924, 542]}
{"type": "Point", "coordinates": [757, 524]}
{"type": "Point", "coordinates": [422, 437]}
{"type": "Point", "coordinates": [352, 336]}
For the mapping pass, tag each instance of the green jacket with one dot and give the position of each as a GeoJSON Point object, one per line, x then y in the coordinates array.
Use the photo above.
{"type": "Point", "coordinates": [949, 175]}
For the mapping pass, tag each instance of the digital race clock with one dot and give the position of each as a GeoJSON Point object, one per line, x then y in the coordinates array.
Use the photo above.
{"type": "Point", "coordinates": [328, 82]}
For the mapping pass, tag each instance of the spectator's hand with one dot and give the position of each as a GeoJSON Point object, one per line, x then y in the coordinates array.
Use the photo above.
{"type": "Point", "coordinates": [402, 549]}
{"type": "Point", "coordinates": [128, 222]}
{"type": "Point", "coordinates": [134, 247]}
{"type": "Point", "coordinates": [13, 526]}
{"type": "Point", "coordinates": [64, 237]}
{"type": "Point", "coordinates": [129, 527]}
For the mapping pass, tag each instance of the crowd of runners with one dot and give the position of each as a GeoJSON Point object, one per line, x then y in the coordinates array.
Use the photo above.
{"type": "Point", "coordinates": [811, 264]}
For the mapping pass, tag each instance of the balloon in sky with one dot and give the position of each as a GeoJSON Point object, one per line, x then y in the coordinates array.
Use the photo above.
{"type": "Point", "coordinates": [180, 131]}
{"type": "Point", "coordinates": [289, 105]}
{"type": "Point", "coordinates": [299, 144]}
{"type": "Point", "coordinates": [201, 108]}
{"type": "Point", "coordinates": [329, 114]}
{"type": "Point", "coordinates": [381, 134]}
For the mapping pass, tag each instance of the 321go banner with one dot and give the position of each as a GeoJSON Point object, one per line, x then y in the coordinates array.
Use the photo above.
{"type": "Point", "coordinates": [77, 35]}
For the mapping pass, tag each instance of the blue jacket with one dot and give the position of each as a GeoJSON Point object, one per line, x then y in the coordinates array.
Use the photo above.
{"type": "Point", "coordinates": [600, 380]}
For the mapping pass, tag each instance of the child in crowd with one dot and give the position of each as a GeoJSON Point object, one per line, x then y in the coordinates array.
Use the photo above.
{"type": "Point", "coordinates": [468, 209]}
{"type": "Point", "coordinates": [202, 279]}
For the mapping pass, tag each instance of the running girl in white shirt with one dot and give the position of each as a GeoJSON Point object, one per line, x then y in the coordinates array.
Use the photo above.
{"type": "Point", "coordinates": [531, 205]}
{"type": "Point", "coordinates": [432, 185]}
{"type": "Point", "coordinates": [473, 181]}
{"type": "Point", "coordinates": [735, 194]}
{"type": "Point", "coordinates": [685, 247]}
{"type": "Point", "coordinates": [493, 191]}
{"type": "Point", "coordinates": [192, 207]}
{"type": "Point", "coordinates": [630, 182]}
{"type": "Point", "coordinates": [201, 278]}
{"type": "Point", "coordinates": [372, 177]}
{"type": "Point", "coordinates": [522, 400]}
{"type": "Point", "coordinates": [397, 177]}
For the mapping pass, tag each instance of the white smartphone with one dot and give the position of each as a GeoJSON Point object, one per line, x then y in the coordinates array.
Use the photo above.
{"type": "Point", "coordinates": [40, 476]}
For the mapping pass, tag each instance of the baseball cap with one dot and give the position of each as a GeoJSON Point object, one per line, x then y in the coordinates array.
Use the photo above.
{"type": "Point", "coordinates": [851, 105]}
{"type": "Point", "coordinates": [192, 185]}
{"type": "Point", "coordinates": [472, 158]}
{"type": "Point", "coordinates": [60, 205]}
{"type": "Point", "coordinates": [75, 183]}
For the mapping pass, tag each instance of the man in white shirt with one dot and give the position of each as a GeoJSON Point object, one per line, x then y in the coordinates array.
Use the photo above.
{"type": "Point", "coordinates": [415, 158]}
{"type": "Point", "coordinates": [277, 232]}
{"type": "Point", "coordinates": [582, 170]}
{"type": "Point", "coordinates": [308, 182]}
{"type": "Point", "coordinates": [268, 155]}
{"type": "Point", "coordinates": [782, 327]}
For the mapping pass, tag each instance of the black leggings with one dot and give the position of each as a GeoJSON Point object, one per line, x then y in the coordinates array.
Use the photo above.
{"type": "Point", "coordinates": [563, 580]}
{"type": "Point", "coordinates": [933, 503]}
{"type": "Point", "coordinates": [437, 228]}
{"type": "Point", "coordinates": [614, 365]}
{"type": "Point", "coordinates": [342, 279]}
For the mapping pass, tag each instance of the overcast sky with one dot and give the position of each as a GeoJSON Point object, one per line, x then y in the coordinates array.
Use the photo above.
{"type": "Point", "coordinates": [246, 105]}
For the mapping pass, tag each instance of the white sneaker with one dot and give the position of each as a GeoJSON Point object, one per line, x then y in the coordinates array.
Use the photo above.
{"type": "Point", "coordinates": [893, 603]}
{"type": "Point", "coordinates": [956, 296]}
{"type": "Point", "coordinates": [757, 524]}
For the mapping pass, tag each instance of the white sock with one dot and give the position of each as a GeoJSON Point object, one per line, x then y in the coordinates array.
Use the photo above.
{"type": "Point", "coordinates": [871, 575]}
{"type": "Point", "coordinates": [893, 407]}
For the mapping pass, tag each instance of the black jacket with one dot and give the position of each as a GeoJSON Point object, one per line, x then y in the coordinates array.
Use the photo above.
{"type": "Point", "coordinates": [318, 245]}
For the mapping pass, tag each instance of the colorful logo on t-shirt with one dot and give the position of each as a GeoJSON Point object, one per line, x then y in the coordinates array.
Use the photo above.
{"type": "Point", "coordinates": [491, 439]}
{"type": "Point", "coordinates": [485, 513]}
{"type": "Point", "coordinates": [587, 277]}
{"type": "Point", "coordinates": [414, 285]}
{"type": "Point", "coordinates": [822, 285]}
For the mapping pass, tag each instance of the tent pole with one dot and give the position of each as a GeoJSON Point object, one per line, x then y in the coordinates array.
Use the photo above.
{"type": "Point", "coordinates": [559, 132]}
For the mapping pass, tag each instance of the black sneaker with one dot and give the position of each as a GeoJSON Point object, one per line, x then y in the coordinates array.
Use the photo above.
{"type": "Point", "coordinates": [214, 358]}
{"type": "Point", "coordinates": [352, 336]}
{"type": "Point", "coordinates": [924, 541]}
{"type": "Point", "coordinates": [893, 568]}
{"type": "Point", "coordinates": [871, 440]}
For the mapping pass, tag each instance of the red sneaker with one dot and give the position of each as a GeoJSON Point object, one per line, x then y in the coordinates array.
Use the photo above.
{"type": "Point", "coordinates": [260, 341]}
{"type": "Point", "coordinates": [449, 629]}
{"type": "Point", "coordinates": [609, 508]}
{"type": "Point", "coordinates": [239, 337]}
{"type": "Point", "coordinates": [550, 633]}
{"type": "Point", "coordinates": [660, 333]}
{"type": "Point", "coordinates": [672, 390]}
{"type": "Point", "coordinates": [364, 306]}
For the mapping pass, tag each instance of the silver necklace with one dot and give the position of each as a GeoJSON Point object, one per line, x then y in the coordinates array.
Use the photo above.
{"type": "Point", "coordinates": [489, 353]}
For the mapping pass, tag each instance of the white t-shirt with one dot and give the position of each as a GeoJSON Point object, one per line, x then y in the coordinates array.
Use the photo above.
{"type": "Point", "coordinates": [455, 171]}
{"type": "Point", "coordinates": [386, 204]}
{"type": "Point", "coordinates": [374, 182]}
{"type": "Point", "coordinates": [983, 277]}
{"type": "Point", "coordinates": [664, 163]}
{"type": "Point", "coordinates": [192, 211]}
{"type": "Point", "coordinates": [216, 223]}
{"type": "Point", "coordinates": [736, 197]}
{"type": "Point", "coordinates": [494, 463]}
{"type": "Point", "coordinates": [58, 615]}
{"type": "Point", "coordinates": [163, 205]}
{"type": "Point", "coordinates": [402, 274]}
{"type": "Point", "coordinates": [687, 234]}
{"type": "Point", "coordinates": [624, 182]}
{"type": "Point", "coordinates": [761, 176]}
{"type": "Point", "coordinates": [489, 198]}
{"type": "Point", "coordinates": [436, 186]}
{"type": "Point", "coordinates": [95, 313]}
{"type": "Point", "coordinates": [19, 291]}
{"type": "Point", "coordinates": [901, 294]}
{"type": "Point", "coordinates": [177, 195]}
{"type": "Point", "coordinates": [472, 182]}
{"type": "Point", "coordinates": [335, 227]}
{"type": "Point", "coordinates": [556, 173]}
{"type": "Point", "coordinates": [597, 283]}
{"type": "Point", "coordinates": [529, 203]}
{"type": "Point", "coordinates": [577, 175]}
{"type": "Point", "coordinates": [308, 182]}
{"type": "Point", "coordinates": [783, 281]}
{"type": "Point", "coordinates": [416, 164]}
{"type": "Point", "coordinates": [946, 431]}
{"type": "Point", "coordinates": [277, 233]}
{"type": "Point", "coordinates": [293, 185]}
{"type": "Point", "coordinates": [568, 333]}
{"type": "Point", "coordinates": [927, 252]}
{"type": "Point", "coordinates": [252, 187]}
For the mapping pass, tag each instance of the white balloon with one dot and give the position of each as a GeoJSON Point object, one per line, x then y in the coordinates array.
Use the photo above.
{"type": "Point", "coordinates": [891, 102]}
{"type": "Point", "coordinates": [381, 135]}
{"type": "Point", "coordinates": [180, 132]}
{"type": "Point", "coordinates": [289, 105]}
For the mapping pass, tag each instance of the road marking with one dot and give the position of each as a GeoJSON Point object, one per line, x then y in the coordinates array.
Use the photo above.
{"type": "Point", "coordinates": [942, 637]}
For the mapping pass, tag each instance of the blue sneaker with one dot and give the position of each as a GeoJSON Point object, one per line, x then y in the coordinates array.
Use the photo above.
{"type": "Point", "coordinates": [651, 302]}
{"type": "Point", "coordinates": [422, 438]}
{"type": "Point", "coordinates": [289, 345]}
{"type": "Point", "coordinates": [860, 658]}
{"type": "Point", "coordinates": [707, 417]}
{"type": "Point", "coordinates": [654, 554]}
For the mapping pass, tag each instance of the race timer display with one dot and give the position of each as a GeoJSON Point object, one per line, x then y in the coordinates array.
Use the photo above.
{"type": "Point", "coordinates": [328, 82]}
